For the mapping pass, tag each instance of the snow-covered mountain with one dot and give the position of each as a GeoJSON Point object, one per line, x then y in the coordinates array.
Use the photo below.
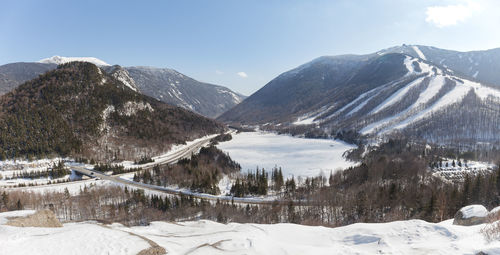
{"type": "Point", "coordinates": [62, 60]}
{"type": "Point", "coordinates": [85, 110]}
{"type": "Point", "coordinates": [164, 84]}
{"type": "Point", "coordinates": [482, 65]}
{"type": "Point", "coordinates": [14, 74]}
{"type": "Point", "coordinates": [377, 95]}
{"type": "Point", "coordinates": [170, 86]}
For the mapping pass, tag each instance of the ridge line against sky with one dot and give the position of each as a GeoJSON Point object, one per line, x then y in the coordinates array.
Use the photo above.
{"type": "Point", "coordinates": [238, 44]}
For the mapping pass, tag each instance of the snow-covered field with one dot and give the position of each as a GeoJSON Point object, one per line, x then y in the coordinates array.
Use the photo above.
{"type": "Point", "coordinates": [74, 188]}
{"type": "Point", "coordinates": [206, 237]}
{"type": "Point", "coordinates": [10, 167]}
{"type": "Point", "coordinates": [296, 156]}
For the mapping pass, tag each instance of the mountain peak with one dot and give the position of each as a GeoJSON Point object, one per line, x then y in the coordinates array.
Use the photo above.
{"type": "Point", "coordinates": [62, 60]}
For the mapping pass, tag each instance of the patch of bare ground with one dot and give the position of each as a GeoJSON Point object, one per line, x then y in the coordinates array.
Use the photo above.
{"type": "Point", "coordinates": [41, 219]}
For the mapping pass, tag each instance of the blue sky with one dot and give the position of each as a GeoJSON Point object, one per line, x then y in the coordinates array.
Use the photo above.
{"type": "Point", "coordinates": [238, 44]}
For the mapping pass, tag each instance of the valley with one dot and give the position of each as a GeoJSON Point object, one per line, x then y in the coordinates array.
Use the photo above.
{"type": "Point", "coordinates": [249, 127]}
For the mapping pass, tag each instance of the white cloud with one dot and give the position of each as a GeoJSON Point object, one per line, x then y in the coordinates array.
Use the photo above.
{"type": "Point", "coordinates": [450, 15]}
{"type": "Point", "coordinates": [219, 72]}
{"type": "Point", "coordinates": [242, 74]}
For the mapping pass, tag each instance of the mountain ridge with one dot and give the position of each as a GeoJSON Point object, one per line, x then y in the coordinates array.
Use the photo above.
{"type": "Point", "coordinates": [79, 110]}
{"type": "Point", "coordinates": [207, 99]}
{"type": "Point", "coordinates": [374, 95]}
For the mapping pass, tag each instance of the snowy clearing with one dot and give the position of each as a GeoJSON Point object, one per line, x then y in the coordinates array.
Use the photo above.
{"type": "Point", "coordinates": [74, 188]}
{"type": "Point", "coordinates": [207, 237]}
{"type": "Point", "coordinates": [296, 156]}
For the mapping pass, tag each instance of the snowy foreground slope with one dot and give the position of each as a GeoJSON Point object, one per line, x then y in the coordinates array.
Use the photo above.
{"type": "Point", "coordinates": [206, 237]}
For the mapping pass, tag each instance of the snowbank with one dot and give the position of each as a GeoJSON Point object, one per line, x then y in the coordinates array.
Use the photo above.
{"type": "Point", "coordinates": [207, 237]}
{"type": "Point", "coordinates": [72, 238]}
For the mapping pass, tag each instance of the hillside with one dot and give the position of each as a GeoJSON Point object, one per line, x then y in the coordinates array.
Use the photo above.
{"type": "Point", "coordinates": [79, 110]}
{"type": "Point", "coordinates": [14, 74]}
{"type": "Point", "coordinates": [376, 95]}
{"type": "Point", "coordinates": [166, 85]}
{"type": "Point", "coordinates": [170, 86]}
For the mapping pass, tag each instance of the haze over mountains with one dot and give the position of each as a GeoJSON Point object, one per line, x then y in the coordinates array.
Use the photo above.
{"type": "Point", "coordinates": [397, 90]}
{"type": "Point", "coordinates": [166, 85]}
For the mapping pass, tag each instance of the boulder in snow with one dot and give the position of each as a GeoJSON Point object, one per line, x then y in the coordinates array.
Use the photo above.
{"type": "Point", "coordinates": [471, 215]}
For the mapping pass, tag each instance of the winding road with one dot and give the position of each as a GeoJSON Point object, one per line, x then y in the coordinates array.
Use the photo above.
{"type": "Point", "coordinates": [169, 159]}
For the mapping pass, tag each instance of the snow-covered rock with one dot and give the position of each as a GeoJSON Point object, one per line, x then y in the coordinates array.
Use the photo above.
{"type": "Point", "coordinates": [471, 215]}
{"type": "Point", "coordinates": [123, 76]}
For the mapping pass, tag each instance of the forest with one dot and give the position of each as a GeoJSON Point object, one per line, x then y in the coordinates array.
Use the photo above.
{"type": "Point", "coordinates": [392, 183]}
{"type": "Point", "coordinates": [79, 111]}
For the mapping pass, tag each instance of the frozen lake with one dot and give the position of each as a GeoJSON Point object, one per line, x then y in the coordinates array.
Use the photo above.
{"type": "Point", "coordinates": [296, 156]}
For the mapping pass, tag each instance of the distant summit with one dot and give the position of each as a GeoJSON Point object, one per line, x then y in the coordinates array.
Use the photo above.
{"type": "Point", "coordinates": [63, 60]}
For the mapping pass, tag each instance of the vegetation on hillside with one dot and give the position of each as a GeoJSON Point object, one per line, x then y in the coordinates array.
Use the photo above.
{"type": "Point", "coordinates": [80, 111]}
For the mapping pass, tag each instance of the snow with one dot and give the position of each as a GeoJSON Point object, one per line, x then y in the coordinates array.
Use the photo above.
{"type": "Point", "coordinates": [435, 84]}
{"type": "Point", "coordinates": [408, 62]}
{"type": "Point", "coordinates": [236, 99]}
{"type": "Point", "coordinates": [207, 237]}
{"type": "Point", "coordinates": [175, 149]}
{"type": "Point", "coordinates": [123, 76]}
{"type": "Point", "coordinates": [74, 187]}
{"type": "Point", "coordinates": [103, 79]}
{"type": "Point", "coordinates": [455, 95]}
{"type": "Point", "coordinates": [4, 217]}
{"type": "Point", "coordinates": [309, 118]}
{"type": "Point", "coordinates": [409, 115]}
{"type": "Point", "coordinates": [306, 121]}
{"type": "Point", "coordinates": [474, 211]}
{"type": "Point", "coordinates": [432, 89]}
{"type": "Point", "coordinates": [105, 114]}
{"type": "Point", "coordinates": [296, 156]}
{"type": "Point", "coordinates": [494, 210]}
{"type": "Point", "coordinates": [397, 96]}
{"type": "Point", "coordinates": [62, 60]}
{"type": "Point", "coordinates": [419, 52]}
{"type": "Point", "coordinates": [10, 167]}
{"type": "Point", "coordinates": [73, 238]}
{"type": "Point", "coordinates": [225, 185]}
{"type": "Point", "coordinates": [131, 108]}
